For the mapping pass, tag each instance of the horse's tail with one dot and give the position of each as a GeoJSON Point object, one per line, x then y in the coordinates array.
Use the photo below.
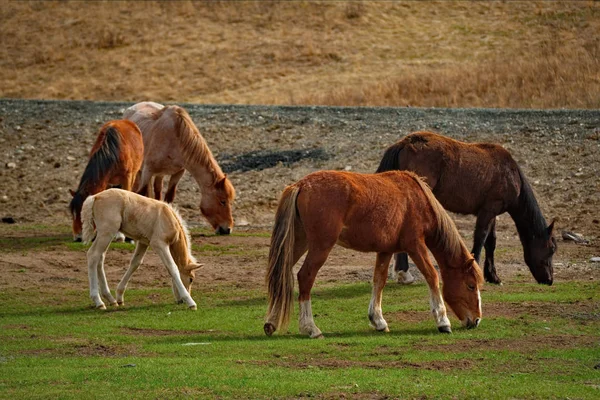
{"type": "Point", "coordinates": [447, 235]}
{"type": "Point", "coordinates": [279, 277]}
{"type": "Point", "coordinates": [391, 157]}
{"type": "Point", "coordinates": [193, 146]}
{"type": "Point", "coordinates": [87, 219]}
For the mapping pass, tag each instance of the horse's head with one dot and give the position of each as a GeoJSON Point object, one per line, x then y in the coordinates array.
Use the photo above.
{"type": "Point", "coordinates": [538, 256]}
{"type": "Point", "coordinates": [461, 292]}
{"type": "Point", "coordinates": [216, 205]}
{"type": "Point", "coordinates": [75, 208]}
{"type": "Point", "coordinates": [188, 274]}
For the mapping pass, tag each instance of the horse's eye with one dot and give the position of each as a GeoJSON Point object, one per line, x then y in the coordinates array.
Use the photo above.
{"type": "Point", "coordinates": [223, 203]}
{"type": "Point", "coordinates": [471, 287]}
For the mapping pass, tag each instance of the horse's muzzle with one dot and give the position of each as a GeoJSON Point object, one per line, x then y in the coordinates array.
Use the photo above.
{"type": "Point", "coordinates": [223, 231]}
{"type": "Point", "coordinates": [470, 324]}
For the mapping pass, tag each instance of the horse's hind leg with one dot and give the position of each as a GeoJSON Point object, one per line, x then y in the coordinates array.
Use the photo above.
{"type": "Point", "coordinates": [436, 301]}
{"type": "Point", "coordinates": [400, 271]}
{"type": "Point", "coordinates": [158, 184]}
{"type": "Point", "coordinates": [306, 278]}
{"type": "Point", "coordinates": [173, 180]}
{"type": "Point", "coordinates": [104, 289]}
{"type": "Point", "coordinates": [95, 256]}
{"type": "Point", "coordinates": [167, 259]}
{"type": "Point", "coordinates": [379, 278]}
{"type": "Point", "coordinates": [136, 260]}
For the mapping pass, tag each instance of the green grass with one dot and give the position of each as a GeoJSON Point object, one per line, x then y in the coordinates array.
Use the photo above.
{"type": "Point", "coordinates": [143, 350]}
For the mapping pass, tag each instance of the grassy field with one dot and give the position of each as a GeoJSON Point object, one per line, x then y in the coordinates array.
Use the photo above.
{"type": "Point", "coordinates": [521, 54]}
{"type": "Point", "coordinates": [534, 342]}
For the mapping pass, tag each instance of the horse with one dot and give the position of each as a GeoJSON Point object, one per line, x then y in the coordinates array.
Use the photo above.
{"type": "Point", "coordinates": [481, 179]}
{"type": "Point", "coordinates": [150, 223]}
{"type": "Point", "coordinates": [384, 213]}
{"type": "Point", "coordinates": [172, 145]}
{"type": "Point", "coordinates": [115, 159]}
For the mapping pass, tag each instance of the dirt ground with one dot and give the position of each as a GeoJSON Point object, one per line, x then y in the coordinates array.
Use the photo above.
{"type": "Point", "coordinates": [44, 146]}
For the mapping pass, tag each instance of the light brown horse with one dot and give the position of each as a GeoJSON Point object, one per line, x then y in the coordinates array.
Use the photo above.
{"type": "Point", "coordinates": [115, 160]}
{"type": "Point", "coordinates": [480, 179]}
{"type": "Point", "coordinates": [150, 223]}
{"type": "Point", "coordinates": [383, 213]}
{"type": "Point", "coordinates": [172, 145]}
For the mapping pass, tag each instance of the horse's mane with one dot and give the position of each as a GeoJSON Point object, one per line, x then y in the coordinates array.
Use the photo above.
{"type": "Point", "coordinates": [527, 214]}
{"type": "Point", "coordinates": [193, 146]}
{"type": "Point", "coordinates": [102, 160]}
{"type": "Point", "coordinates": [447, 238]}
{"type": "Point", "coordinates": [181, 248]}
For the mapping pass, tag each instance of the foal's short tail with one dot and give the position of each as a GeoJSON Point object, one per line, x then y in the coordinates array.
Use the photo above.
{"type": "Point", "coordinates": [279, 278]}
{"type": "Point", "coordinates": [87, 219]}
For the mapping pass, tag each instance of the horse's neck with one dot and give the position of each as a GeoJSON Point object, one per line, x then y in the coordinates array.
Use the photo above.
{"type": "Point", "coordinates": [446, 259]}
{"type": "Point", "coordinates": [205, 175]}
{"type": "Point", "coordinates": [527, 216]}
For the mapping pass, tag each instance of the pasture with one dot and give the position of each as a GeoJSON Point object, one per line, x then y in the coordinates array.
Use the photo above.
{"type": "Point", "coordinates": [533, 342]}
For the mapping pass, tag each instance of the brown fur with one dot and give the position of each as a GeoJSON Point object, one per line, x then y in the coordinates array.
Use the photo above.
{"type": "Point", "coordinates": [115, 159]}
{"type": "Point", "coordinates": [480, 179]}
{"type": "Point", "coordinates": [368, 213]}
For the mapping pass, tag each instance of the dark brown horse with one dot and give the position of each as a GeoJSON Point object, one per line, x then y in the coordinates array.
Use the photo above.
{"type": "Point", "coordinates": [115, 160]}
{"type": "Point", "coordinates": [383, 213]}
{"type": "Point", "coordinates": [481, 179]}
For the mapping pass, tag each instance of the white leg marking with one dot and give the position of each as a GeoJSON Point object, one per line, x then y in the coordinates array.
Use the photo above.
{"type": "Point", "coordinates": [167, 259]}
{"type": "Point", "coordinates": [306, 322]}
{"type": "Point", "coordinates": [376, 315]}
{"type": "Point", "coordinates": [438, 310]}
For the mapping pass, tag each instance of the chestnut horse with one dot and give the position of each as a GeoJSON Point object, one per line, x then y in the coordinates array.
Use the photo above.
{"type": "Point", "coordinates": [172, 145]}
{"type": "Point", "coordinates": [151, 223]}
{"type": "Point", "coordinates": [383, 213]}
{"type": "Point", "coordinates": [480, 179]}
{"type": "Point", "coordinates": [115, 159]}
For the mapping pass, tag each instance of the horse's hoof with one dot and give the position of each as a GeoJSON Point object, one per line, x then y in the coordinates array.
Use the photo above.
{"type": "Point", "coordinates": [444, 329]}
{"type": "Point", "coordinates": [386, 329]}
{"type": "Point", "coordinates": [194, 307]}
{"type": "Point", "coordinates": [319, 336]}
{"type": "Point", "coordinates": [115, 304]}
{"type": "Point", "coordinates": [101, 307]}
{"type": "Point", "coordinates": [120, 303]}
{"type": "Point", "coordinates": [269, 328]}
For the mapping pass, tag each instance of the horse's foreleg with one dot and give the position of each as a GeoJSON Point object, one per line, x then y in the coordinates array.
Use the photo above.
{"type": "Point", "coordinates": [483, 226]}
{"type": "Point", "coordinates": [158, 184]}
{"type": "Point", "coordinates": [306, 278]}
{"type": "Point", "coordinates": [379, 278]}
{"type": "Point", "coordinates": [489, 268]}
{"type": "Point", "coordinates": [104, 289]}
{"type": "Point", "coordinates": [167, 259]}
{"type": "Point", "coordinates": [436, 301]}
{"type": "Point", "coordinates": [143, 186]}
{"type": "Point", "coordinates": [173, 180]}
{"type": "Point", "coordinates": [136, 260]}
{"type": "Point", "coordinates": [95, 257]}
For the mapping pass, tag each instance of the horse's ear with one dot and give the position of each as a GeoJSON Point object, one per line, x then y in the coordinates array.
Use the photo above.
{"type": "Point", "coordinates": [221, 183]}
{"type": "Point", "coordinates": [550, 227]}
{"type": "Point", "coordinates": [72, 193]}
{"type": "Point", "coordinates": [194, 266]}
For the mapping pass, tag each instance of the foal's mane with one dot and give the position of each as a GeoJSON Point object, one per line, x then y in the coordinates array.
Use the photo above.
{"type": "Point", "coordinates": [105, 155]}
{"type": "Point", "coordinates": [181, 247]}
{"type": "Point", "coordinates": [193, 146]}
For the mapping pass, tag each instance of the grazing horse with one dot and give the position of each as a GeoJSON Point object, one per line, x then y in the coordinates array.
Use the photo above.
{"type": "Point", "coordinates": [172, 145]}
{"type": "Point", "coordinates": [383, 213]}
{"type": "Point", "coordinates": [480, 179]}
{"type": "Point", "coordinates": [115, 159]}
{"type": "Point", "coordinates": [150, 223]}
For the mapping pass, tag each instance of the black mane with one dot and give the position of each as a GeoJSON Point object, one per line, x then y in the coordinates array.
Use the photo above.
{"type": "Point", "coordinates": [527, 214]}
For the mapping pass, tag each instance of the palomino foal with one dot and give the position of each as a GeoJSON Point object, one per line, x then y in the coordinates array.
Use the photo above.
{"type": "Point", "coordinates": [150, 223]}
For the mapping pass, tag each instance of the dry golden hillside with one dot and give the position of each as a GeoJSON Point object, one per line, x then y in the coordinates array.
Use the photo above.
{"type": "Point", "coordinates": [449, 54]}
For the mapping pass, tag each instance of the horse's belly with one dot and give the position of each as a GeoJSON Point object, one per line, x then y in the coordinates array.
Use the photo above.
{"type": "Point", "coordinates": [367, 242]}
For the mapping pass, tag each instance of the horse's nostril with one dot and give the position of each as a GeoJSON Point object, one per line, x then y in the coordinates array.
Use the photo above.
{"type": "Point", "coordinates": [477, 321]}
{"type": "Point", "coordinates": [223, 231]}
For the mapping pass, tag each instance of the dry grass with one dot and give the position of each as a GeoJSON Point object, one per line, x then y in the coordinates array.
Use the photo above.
{"type": "Point", "coordinates": [491, 54]}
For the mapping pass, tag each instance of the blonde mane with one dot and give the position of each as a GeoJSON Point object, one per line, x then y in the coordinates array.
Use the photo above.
{"type": "Point", "coordinates": [181, 248]}
{"type": "Point", "coordinates": [447, 237]}
{"type": "Point", "coordinates": [193, 145]}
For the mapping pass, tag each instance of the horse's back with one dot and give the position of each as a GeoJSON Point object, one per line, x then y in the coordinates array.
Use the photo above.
{"type": "Point", "coordinates": [365, 212]}
{"type": "Point", "coordinates": [465, 177]}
